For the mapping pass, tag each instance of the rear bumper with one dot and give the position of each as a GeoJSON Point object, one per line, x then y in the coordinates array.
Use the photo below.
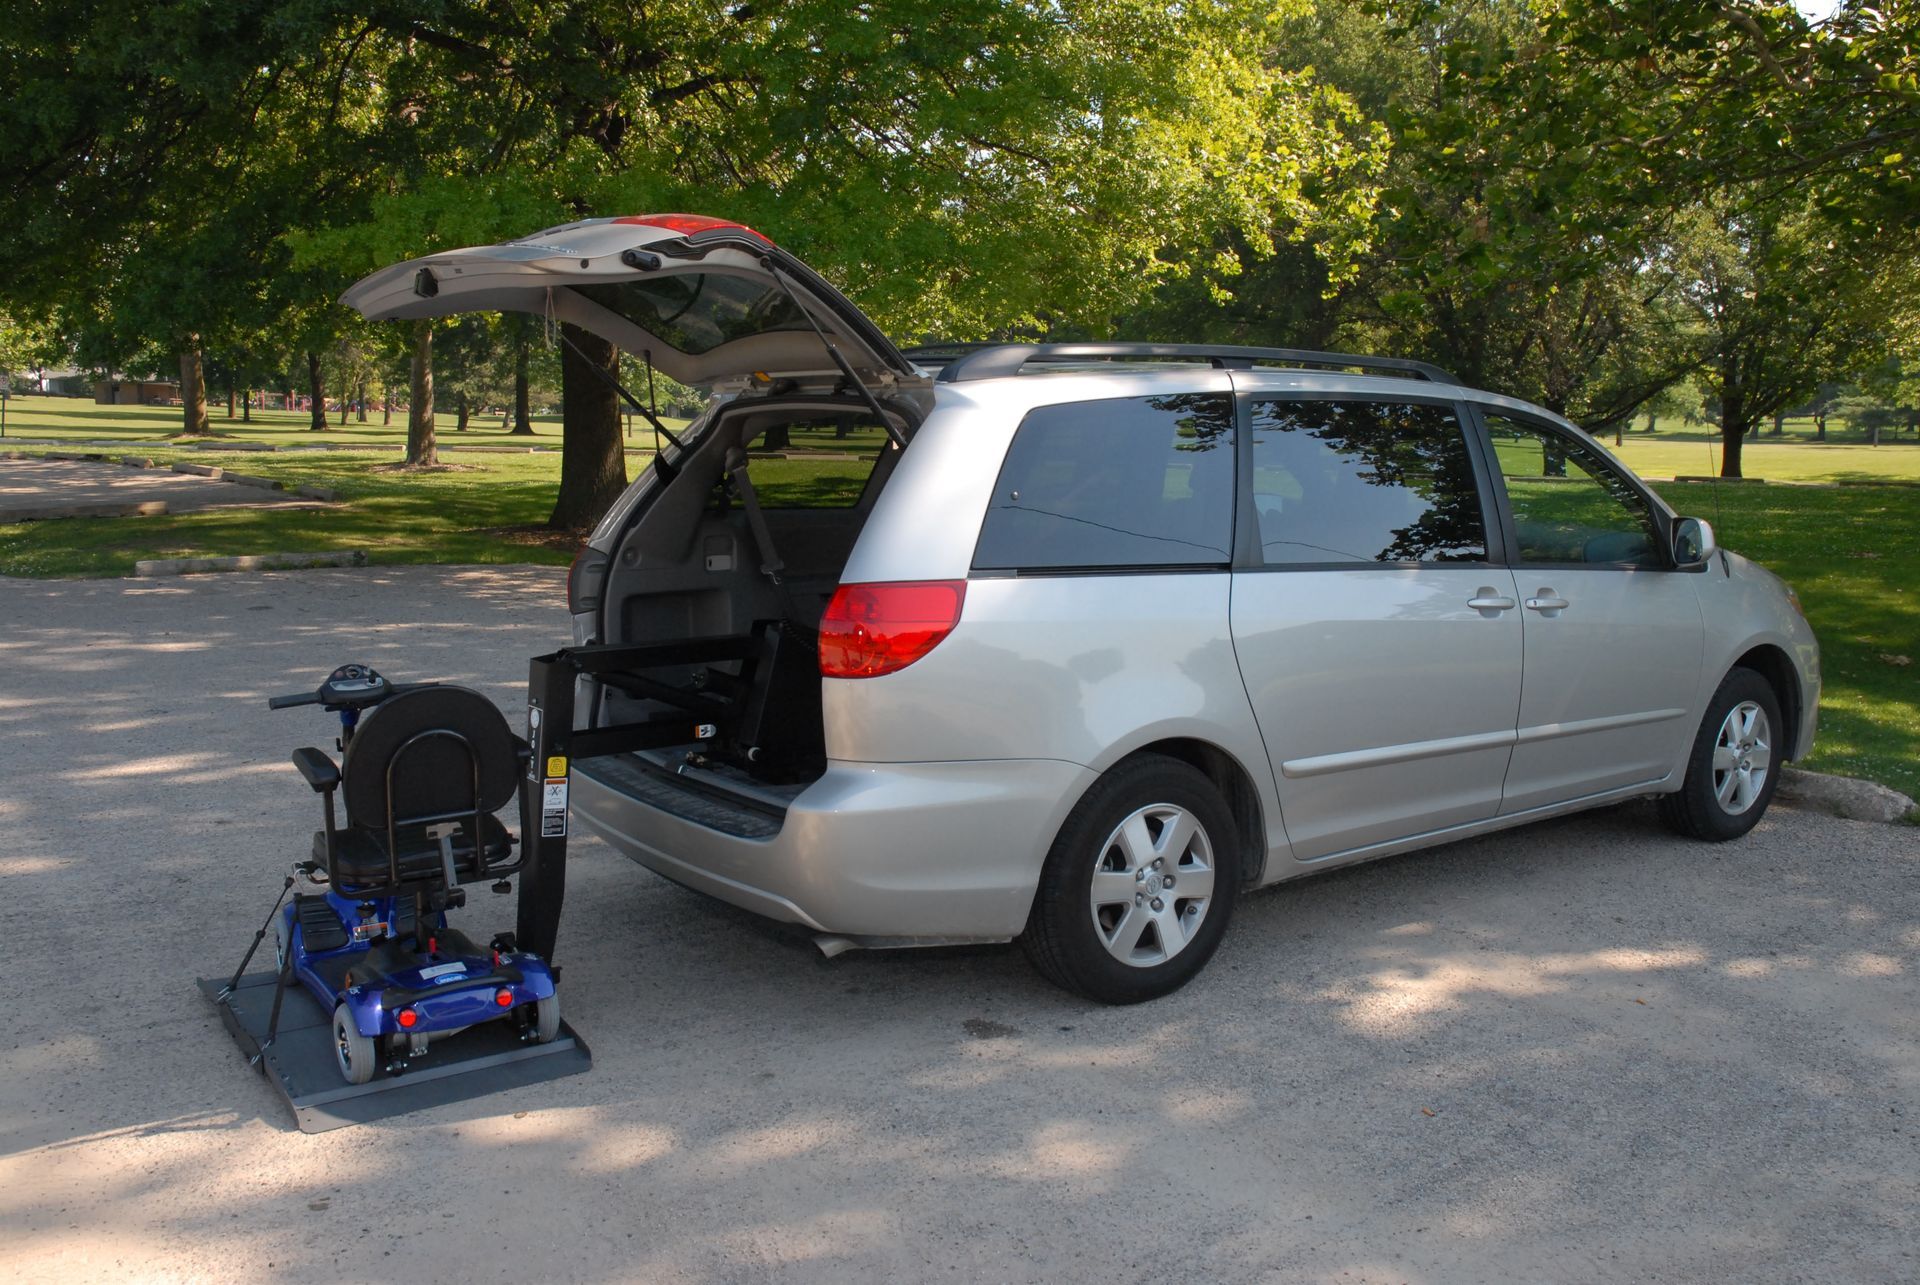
{"type": "Point", "coordinates": [871, 850]}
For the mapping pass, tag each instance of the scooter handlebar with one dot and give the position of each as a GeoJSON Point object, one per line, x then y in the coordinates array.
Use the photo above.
{"type": "Point", "coordinates": [288, 702]}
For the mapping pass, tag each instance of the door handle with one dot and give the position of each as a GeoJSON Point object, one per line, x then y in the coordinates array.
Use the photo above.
{"type": "Point", "coordinates": [1546, 602]}
{"type": "Point", "coordinates": [1487, 598]}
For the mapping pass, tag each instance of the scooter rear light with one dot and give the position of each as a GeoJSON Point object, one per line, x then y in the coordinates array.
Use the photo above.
{"type": "Point", "coordinates": [407, 1018]}
{"type": "Point", "coordinates": [503, 997]}
{"type": "Point", "coordinates": [874, 629]}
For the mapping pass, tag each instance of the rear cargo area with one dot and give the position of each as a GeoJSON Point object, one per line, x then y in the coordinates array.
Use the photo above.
{"type": "Point", "coordinates": [734, 559]}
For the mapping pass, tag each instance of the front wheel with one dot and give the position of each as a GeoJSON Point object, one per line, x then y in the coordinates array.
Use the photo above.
{"type": "Point", "coordinates": [1138, 887]}
{"type": "Point", "coordinates": [1734, 764]}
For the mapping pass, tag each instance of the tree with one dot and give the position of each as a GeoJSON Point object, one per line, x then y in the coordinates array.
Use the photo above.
{"type": "Point", "coordinates": [1781, 307]}
{"type": "Point", "coordinates": [591, 433]}
{"type": "Point", "coordinates": [421, 447]}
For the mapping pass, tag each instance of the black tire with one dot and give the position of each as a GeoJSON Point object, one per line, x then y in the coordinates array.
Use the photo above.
{"type": "Point", "coordinates": [353, 1052]}
{"type": "Point", "coordinates": [1068, 933]}
{"type": "Point", "coordinates": [1701, 810]}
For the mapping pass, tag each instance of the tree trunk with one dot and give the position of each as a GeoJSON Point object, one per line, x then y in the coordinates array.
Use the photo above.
{"type": "Point", "coordinates": [246, 408]}
{"type": "Point", "coordinates": [778, 438]}
{"type": "Point", "coordinates": [345, 403]}
{"type": "Point", "coordinates": [360, 404]}
{"type": "Point", "coordinates": [233, 396]}
{"type": "Point", "coordinates": [593, 465]}
{"type": "Point", "coordinates": [461, 411]}
{"type": "Point", "coordinates": [522, 396]}
{"type": "Point", "coordinates": [1652, 420]}
{"type": "Point", "coordinates": [386, 401]}
{"type": "Point", "coordinates": [193, 390]}
{"type": "Point", "coordinates": [1779, 423]}
{"type": "Point", "coordinates": [316, 413]}
{"type": "Point", "coordinates": [421, 448]}
{"type": "Point", "coordinates": [1820, 426]}
{"type": "Point", "coordinates": [1733, 432]}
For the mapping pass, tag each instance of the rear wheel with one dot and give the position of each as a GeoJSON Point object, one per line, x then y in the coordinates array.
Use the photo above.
{"type": "Point", "coordinates": [352, 1051]}
{"type": "Point", "coordinates": [1138, 887]}
{"type": "Point", "coordinates": [1734, 765]}
{"type": "Point", "coordinates": [546, 1019]}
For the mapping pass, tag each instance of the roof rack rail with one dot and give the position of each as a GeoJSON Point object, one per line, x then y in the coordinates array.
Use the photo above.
{"type": "Point", "coordinates": [991, 361]}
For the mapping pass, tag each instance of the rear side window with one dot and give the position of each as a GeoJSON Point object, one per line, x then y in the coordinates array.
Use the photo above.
{"type": "Point", "coordinates": [1338, 481]}
{"type": "Point", "coordinates": [1120, 483]}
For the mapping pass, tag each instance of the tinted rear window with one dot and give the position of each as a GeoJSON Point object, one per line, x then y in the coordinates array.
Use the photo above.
{"type": "Point", "coordinates": [697, 313]}
{"type": "Point", "coordinates": [1126, 482]}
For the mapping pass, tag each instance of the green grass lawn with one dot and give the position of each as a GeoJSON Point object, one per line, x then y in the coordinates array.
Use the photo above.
{"type": "Point", "coordinates": [1852, 552]}
{"type": "Point", "coordinates": [1783, 461]}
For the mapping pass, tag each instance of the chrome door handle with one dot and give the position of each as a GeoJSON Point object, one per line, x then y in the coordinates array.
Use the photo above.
{"type": "Point", "coordinates": [1547, 602]}
{"type": "Point", "coordinates": [1486, 598]}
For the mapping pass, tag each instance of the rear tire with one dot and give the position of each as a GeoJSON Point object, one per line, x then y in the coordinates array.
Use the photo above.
{"type": "Point", "coordinates": [1734, 764]}
{"type": "Point", "coordinates": [1139, 885]}
{"type": "Point", "coordinates": [353, 1052]}
{"type": "Point", "coordinates": [546, 1019]}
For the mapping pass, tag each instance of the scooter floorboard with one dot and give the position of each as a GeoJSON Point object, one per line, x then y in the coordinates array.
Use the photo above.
{"type": "Point", "coordinates": [480, 1060]}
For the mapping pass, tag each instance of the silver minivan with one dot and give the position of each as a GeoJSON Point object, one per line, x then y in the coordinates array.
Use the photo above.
{"type": "Point", "coordinates": [1093, 638]}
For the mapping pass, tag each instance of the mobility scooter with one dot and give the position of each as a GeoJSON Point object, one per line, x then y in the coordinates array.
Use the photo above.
{"type": "Point", "coordinates": [423, 770]}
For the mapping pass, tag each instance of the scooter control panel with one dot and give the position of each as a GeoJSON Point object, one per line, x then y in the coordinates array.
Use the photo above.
{"type": "Point", "coordinates": [354, 687]}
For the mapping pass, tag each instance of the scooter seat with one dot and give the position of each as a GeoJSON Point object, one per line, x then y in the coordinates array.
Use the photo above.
{"type": "Point", "coordinates": [361, 852]}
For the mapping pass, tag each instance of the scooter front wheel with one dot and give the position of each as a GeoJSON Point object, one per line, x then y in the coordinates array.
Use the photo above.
{"type": "Point", "coordinates": [546, 1019]}
{"type": "Point", "coordinates": [352, 1051]}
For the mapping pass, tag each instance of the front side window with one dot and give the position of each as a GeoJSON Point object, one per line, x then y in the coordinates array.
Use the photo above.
{"type": "Point", "coordinates": [1115, 484]}
{"type": "Point", "coordinates": [1569, 505]}
{"type": "Point", "coordinates": [1364, 482]}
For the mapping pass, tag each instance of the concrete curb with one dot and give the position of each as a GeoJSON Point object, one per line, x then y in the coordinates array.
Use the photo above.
{"type": "Point", "coordinates": [1843, 796]}
{"type": "Point", "coordinates": [250, 562]}
{"type": "Point", "coordinates": [87, 509]}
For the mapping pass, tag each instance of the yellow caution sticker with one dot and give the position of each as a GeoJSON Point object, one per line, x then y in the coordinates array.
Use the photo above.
{"type": "Point", "coordinates": [557, 765]}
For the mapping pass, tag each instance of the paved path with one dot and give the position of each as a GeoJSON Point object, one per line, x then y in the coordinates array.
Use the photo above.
{"type": "Point", "coordinates": [1584, 1051]}
{"type": "Point", "coordinates": [36, 485]}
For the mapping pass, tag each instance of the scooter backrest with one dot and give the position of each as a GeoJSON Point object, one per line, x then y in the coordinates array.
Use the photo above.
{"type": "Point", "coordinates": [433, 775]}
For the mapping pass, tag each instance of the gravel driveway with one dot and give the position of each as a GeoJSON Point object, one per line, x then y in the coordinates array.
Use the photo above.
{"type": "Point", "coordinates": [1580, 1051]}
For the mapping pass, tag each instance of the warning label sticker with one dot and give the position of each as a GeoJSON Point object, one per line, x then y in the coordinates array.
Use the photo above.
{"type": "Point", "coordinates": [553, 809]}
{"type": "Point", "coordinates": [557, 765]}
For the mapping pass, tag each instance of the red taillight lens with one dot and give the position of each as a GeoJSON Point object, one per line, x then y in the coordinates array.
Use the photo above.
{"type": "Point", "coordinates": [407, 1018]}
{"type": "Point", "coordinates": [503, 997]}
{"type": "Point", "coordinates": [688, 224]}
{"type": "Point", "coordinates": [873, 629]}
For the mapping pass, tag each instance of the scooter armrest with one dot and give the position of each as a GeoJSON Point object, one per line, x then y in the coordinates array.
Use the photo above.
{"type": "Point", "coordinates": [319, 770]}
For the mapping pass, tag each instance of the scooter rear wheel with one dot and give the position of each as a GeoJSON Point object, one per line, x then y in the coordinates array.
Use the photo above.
{"type": "Point", "coordinates": [546, 1019]}
{"type": "Point", "coordinates": [352, 1052]}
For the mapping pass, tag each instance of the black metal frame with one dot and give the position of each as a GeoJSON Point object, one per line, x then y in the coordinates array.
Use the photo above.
{"type": "Point", "coordinates": [992, 361]}
{"type": "Point", "coordinates": [706, 716]}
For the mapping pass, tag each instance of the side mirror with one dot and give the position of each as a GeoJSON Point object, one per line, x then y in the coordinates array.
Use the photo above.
{"type": "Point", "coordinates": [1693, 542]}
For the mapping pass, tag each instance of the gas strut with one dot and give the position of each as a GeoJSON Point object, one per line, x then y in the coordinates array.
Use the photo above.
{"type": "Point", "coordinates": [604, 376]}
{"type": "Point", "coordinates": [866, 394]}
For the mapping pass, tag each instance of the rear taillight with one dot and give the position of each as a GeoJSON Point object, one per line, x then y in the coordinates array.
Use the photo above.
{"type": "Point", "coordinates": [585, 578]}
{"type": "Point", "coordinates": [873, 629]}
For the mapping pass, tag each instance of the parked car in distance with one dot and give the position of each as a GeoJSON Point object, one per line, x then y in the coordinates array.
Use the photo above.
{"type": "Point", "coordinates": [1098, 637]}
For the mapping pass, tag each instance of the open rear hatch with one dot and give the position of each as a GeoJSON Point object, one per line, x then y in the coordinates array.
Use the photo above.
{"type": "Point", "coordinates": [713, 661]}
{"type": "Point", "coordinates": [703, 299]}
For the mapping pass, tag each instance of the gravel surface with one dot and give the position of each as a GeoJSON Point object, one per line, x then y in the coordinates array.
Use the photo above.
{"type": "Point", "coordinates": [34, 484]}
{"type": "Point", "coordinates": [1582, 1051]}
